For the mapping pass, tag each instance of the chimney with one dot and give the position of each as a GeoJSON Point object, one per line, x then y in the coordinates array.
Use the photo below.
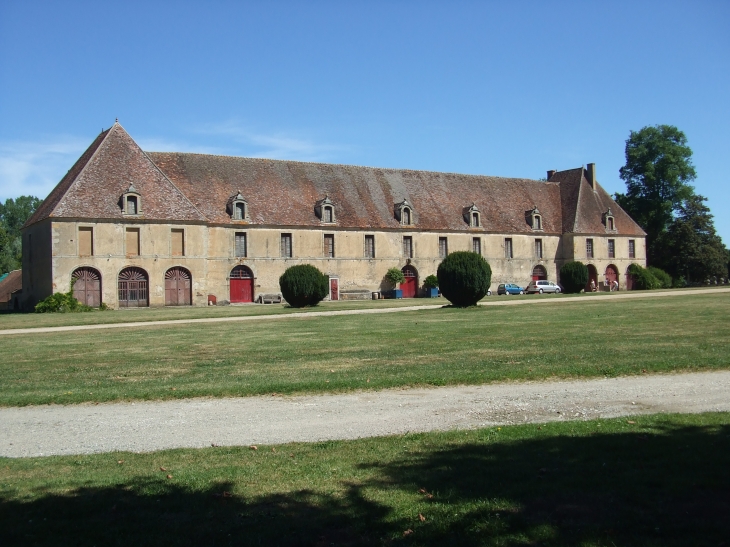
{"type": "Point", "coordinates": [550, 173]}
{"type": "Point", "coordinates": [591, 175]}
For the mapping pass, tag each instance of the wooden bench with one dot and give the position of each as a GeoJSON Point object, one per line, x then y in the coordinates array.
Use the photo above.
{"type": "Point", "coordinates": [269, 298]}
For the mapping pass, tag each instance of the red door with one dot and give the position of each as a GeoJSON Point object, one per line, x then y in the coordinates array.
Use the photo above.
{"type": "Point", "coordinates": [241, 284]}
{"type": "Point", "coordinates": [410, 285]}
{"type": "Point", "coordinates": [612, 277]}
{"type": "Point", "coordinates": [334, 288]}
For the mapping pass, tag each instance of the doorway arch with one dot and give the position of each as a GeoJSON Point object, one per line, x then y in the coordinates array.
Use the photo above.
{"type": "Point", "coordinates": [539, 273]}
{"type": "Point", "coordinates": [592, 278]}
{"type": "Point", "coordinates": [410, 285]}
{"type": "Point", "coordinates": [178, 287]}
{"type": "Point", "coordinates": [612, 277]}
{"type": "Point", "coordinates": [241, 289]}
{"type": "Point", "coordinates": [132, 285]}
{"type": "Point", "coordinates": [87, 286]}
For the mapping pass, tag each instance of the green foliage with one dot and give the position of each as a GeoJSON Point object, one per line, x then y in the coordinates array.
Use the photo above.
{"type": "Point", "coordinates": [664, 279]}
{"type": "Point", "coordinates": [464, 278]}
{"type": "Point", "coordinates": [303, 285]}
{"type": "Point", "coordinates": [13, 214]}
{"type": "Point", "coordinates": [395, 276]}
{"type": "Point", "coordinates": [431, 282]}
{"type": "Point", "coordinates": [61, 302]}
{"type": "Point", "coordinates": [657, 173]}
{"type": "Point", "coordinates": [643, 279]}
{"type": "Point", "coordinates": [573, 277]}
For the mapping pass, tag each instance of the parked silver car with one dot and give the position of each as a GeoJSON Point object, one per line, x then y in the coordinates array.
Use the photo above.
{"type": "Point", "coordinates": [542, 286]}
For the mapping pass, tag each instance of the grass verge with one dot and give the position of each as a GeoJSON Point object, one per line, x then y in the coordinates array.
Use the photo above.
{"type": "Point", "coordinates": [644, 481]}
{"type": "Point", "coordinates": [337, 354]}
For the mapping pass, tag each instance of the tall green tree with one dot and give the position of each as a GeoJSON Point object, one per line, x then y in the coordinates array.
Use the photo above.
{"type": "Point", "coordinates": [657, 173]}
{"type": "Point", "coordinates": [13, 214]}
{"type": "Point", "coordinates": [693, 248]}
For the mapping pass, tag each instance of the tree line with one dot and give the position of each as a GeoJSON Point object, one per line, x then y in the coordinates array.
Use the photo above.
{"type": "Point", "coordinates": [13, 214]}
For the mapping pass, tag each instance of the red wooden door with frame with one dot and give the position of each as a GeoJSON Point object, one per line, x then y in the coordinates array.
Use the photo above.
{"type": "Point", "coordinates": [410, 285]}
{"type": "Point", "coordinates": [241, 285]}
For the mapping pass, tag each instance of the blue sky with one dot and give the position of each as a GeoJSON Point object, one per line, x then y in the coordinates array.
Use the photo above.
{"type": "Point", "coordinates": [497, 88]}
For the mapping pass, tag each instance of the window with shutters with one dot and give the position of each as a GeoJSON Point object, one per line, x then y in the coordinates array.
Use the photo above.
{"type": "Point", "coordinates": [611, 248]}
{"type": "Point", "coordinates": [508, 247]}
{"type": "Point", "coordinates": [240, 244]}
{"type": "Point", "coordinates": [476, 245]}
{"type": "Point", "coordinates": [132, 241]}
{"type": "Point", "coordinates": [286, 246]}
{"type": "Point", "coordinates": [369, 246]}
{"type": "Point", "coordinates": [329, 245]}
{"type": "Point", "coordinates": [177, 242]}
{"type": "Point", "coordinates": [443, 247]}
{"type": "Point", "coordinates": [538, 248]}
{"type": "Point", "coordinates": [589, 248]}
{"type": "Point", "coordinates": [86, 241]}
{"type": "Point", "coordinates": [407, 247]}
{"type": "Point", "coordinates": [632, 248]}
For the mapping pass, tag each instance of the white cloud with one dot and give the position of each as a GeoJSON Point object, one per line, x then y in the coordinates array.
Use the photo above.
{"type": "Point", "coordinates": [34, 168]}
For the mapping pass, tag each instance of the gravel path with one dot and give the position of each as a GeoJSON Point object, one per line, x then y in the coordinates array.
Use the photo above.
{"type": "Point", "coordinates": [148, 426]}
{"type": "Point", "coordinates": [306, 315]}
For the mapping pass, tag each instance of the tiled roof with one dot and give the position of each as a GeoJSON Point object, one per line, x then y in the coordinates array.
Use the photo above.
{"type": "Point", "coordinates": [10, 283]}
{"type": "Point", "coordinates": [196, 187]}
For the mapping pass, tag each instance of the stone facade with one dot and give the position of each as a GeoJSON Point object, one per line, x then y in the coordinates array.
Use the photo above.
{"type": "Point", "coordinates": [183, 217]}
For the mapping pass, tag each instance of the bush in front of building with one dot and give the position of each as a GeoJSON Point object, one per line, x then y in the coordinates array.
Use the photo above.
{"type": "Point", "coordinates": [303, 285]}
{"type": "Point", "coordinates": [643, 279]}
{"type": "Point", "coordinates": [573, 277]}
{"type": "Point", "coordinates": [61, 302]}
{"type": "Point", "coordinates": [464, 278]}
{"type": "Point", "coordinates": [663, 277]}
{"type": "Point", "coordinates": [431, 282]}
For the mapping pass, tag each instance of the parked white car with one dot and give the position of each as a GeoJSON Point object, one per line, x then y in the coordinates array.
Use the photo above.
{"type": "Point", "coordinates": [541, 286]}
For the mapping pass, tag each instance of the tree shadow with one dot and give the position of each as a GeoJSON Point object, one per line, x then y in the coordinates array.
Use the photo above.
{"type": "Point", "coordinates": [669, 487]}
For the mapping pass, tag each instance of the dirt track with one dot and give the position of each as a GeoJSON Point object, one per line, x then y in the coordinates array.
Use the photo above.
{"type": "Point", "coordinates": [148, 426]}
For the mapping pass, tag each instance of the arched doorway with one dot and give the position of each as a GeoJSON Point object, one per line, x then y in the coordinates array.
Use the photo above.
{"type": "Point", "coordinates": [592, 284]}
{"type": "Point", "coordinates": [178, 287]}
{"type": "Point", "coordinates": [539, 273]}
{"type": "Point", "coordinates": [611, 277]}
{"type": "Point", "coordinates": [87, 286]}
{"type": "Point", "coordinates": [132, 285]}
{"type": "Point", "coordinates": [410, 285]}
{"type": "Point", "coordinates": [241, 284]}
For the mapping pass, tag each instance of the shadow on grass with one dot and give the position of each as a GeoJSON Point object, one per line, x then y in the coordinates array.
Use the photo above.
{"type": "Point", "coordinates": [668, 487]}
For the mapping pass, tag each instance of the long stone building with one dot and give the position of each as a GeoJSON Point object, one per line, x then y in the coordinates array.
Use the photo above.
{"type": "Point", "coordinates": [137, 228]}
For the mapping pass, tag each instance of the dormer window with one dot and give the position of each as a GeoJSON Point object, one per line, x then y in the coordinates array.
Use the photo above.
{"type": "Point", "coordinates": [609, 221]}
{"type": "Point", "coordinates": [131, 201]}
{"type": "Point", "coordinates": [237, 207]}
{"type": "Point", "coordinates": [472, 216]}
{"type": "Point", "coordinates": [404, 213]}
{"type": "Point", "coordinates": [534, 219]}
{"type": "Point", "coordinates": [325, 210]}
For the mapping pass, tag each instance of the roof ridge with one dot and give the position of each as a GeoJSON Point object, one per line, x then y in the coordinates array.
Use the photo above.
{"type": "Point", "coordinates": [394, 169]}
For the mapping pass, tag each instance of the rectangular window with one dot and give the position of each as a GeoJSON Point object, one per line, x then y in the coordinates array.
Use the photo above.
{"type": "Point", "coordinates": [132, 241]}
{"type": "Point", "coordinates": [241, 244]}
{"type": "Point", "coordinates": [177, 242]}
{"type": "Point", "coordinates": [86, 241]}
{"type": "Point", "coordinates": [407, 247]}
{"type": "Point", "coordinates": [328, 214]}
{"type": "Point", "coordinates": [286, 248]}
{"type": "Point", "coordinates": [131, 205]}
{"type": "Point", "coordinates": [632, 248]}
{"type": "Point", "coordinates": [329, 245]}
{"type": "Point", "coordinates": [508, 247]}
{"type": "Point", "coordinates": [443, 247]}
{"type": "Point", "coordinates": [369, 246]}
{"type": "Point", "coordinates": [589, 248]}
{"type": "Point", "coordinates": [476, 245]}
{"type": "Point", "coordinates": [611, 248]}
{"type": "Point", "coordinates": [538, 248]}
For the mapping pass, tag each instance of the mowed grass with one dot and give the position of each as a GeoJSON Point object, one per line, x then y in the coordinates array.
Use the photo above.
{"type": "Point", "coordinates": [643, 481]}
{"type": "Point", "coordinates": [336, 354]}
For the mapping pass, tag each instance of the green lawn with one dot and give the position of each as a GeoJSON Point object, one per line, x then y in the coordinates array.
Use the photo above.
{"type": "Point", "coordinates": [334, 354]}
{"type": "Point", "coordinates": [643, 481]}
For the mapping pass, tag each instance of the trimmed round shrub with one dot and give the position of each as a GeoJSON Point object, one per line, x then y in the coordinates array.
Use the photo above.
{"type": "Point", "coordinates": [395, 276]}
{"type": "Point", "coordinates": [303, 285]}
{"type": "Point", "coordinates": [573, 277]}
{"type": "Point", "coordinates": [464, 278]}
{"type": "Point", "coordinates": [665, 280]}
{"type": "Point", "coordinates": [643, 279]}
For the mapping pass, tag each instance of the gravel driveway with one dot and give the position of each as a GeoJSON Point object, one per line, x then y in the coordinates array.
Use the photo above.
{"type": "Point", "coordinates": [148, 426]}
